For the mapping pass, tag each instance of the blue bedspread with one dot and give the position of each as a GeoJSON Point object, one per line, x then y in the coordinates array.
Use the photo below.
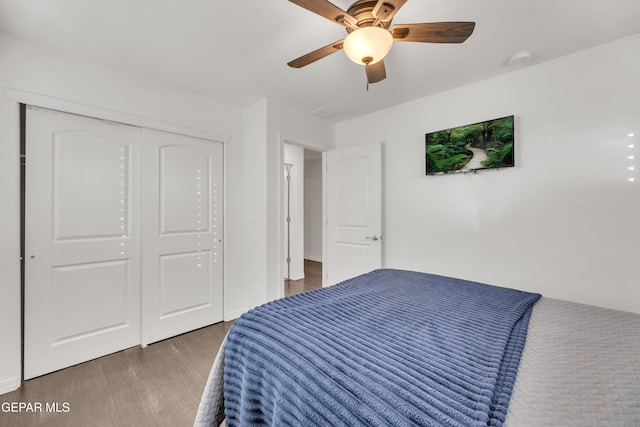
{"type": "Point", "coordinates": [388, 348]}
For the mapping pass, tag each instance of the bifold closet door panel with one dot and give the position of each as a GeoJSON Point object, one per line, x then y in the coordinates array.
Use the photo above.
{"type": "Point", "coordinates": [123, 237]}
{"type": "Point", "coordinates": [182, 250]}
{"type": "Point", "coordinates": [82, 243]}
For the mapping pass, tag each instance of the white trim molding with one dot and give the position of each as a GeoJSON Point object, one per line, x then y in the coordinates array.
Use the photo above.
{"type": "Point", "coordinates": [67, 106]}
{"type": "Point", "coordinates": [9, 385]}
{"type": "Point", "coordinates": [233, 315]}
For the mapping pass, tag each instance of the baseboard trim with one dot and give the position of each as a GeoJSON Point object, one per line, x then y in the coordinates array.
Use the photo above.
{"type": "Point", "coordinates": [313, 258]}
{"type": "Point", "coordinates": [233, 315]}
{"type": "Point", "coordinates": [9, 385]}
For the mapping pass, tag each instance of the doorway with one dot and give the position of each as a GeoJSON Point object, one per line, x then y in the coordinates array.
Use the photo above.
{"type": "Point", "coordinates": [302, 218]}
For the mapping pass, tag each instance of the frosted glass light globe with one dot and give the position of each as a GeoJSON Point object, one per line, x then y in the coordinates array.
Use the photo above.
{"type": "Point", "coordinates": [368, 45]}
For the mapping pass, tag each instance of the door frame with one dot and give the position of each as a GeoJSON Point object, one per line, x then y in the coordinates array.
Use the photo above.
{"type": "Point", "coordinates": [26, 98]}
{"type": "Point", "coordinates": [72, 107]}
{"type": "Point", "coordinates": [290, 139]}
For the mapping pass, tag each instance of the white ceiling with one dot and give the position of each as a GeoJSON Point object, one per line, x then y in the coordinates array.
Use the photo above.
{"type": "Point", "coordinates": [236, 51]}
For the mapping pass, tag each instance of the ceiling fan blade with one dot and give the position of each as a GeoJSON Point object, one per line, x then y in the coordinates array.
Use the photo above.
{"type": "Point", "coordinates": [433, 32]}
{"type": "Point", "coordinates": [384, 10]}
{"type": "Point", "coordinates": [376, 72]}
{"type": "Point", "coordinates": [328, 10]}
{"type": "Point", "coordinates": [316, 54]}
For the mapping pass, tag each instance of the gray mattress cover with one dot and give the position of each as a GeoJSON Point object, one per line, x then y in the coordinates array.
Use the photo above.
{"type": "Point", "coordinates": [580, 367]}
{"type": "Point", "coordinates": [211, 408]}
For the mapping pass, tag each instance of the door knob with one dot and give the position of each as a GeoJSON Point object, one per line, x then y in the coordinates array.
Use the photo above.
{"type": "Point", "coordinates": [375, 237]}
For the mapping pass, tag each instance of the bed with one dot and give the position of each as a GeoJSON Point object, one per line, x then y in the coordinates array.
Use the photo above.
{"type": "Point", "coordinates": [400, 348]}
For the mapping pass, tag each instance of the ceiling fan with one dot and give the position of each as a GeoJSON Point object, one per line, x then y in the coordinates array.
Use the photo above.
{"type": "Point", "coordinates": [370, 34]}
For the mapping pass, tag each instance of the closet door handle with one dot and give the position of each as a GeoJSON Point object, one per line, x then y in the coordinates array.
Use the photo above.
{"type": "Point", "coordinates": [375, 237]}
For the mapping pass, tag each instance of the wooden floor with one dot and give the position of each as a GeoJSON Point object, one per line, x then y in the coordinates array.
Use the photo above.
{"type": "Point", "coordinates": [160, 385]}
{"type": "Point", "coordinates": [312, 279]}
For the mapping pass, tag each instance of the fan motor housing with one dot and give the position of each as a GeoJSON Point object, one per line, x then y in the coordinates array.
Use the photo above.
{"type": "Point", "coordinates": [361, 10]}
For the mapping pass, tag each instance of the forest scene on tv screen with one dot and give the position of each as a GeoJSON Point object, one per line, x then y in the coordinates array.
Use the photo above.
{"type": "Point", "coordinates": [481, 145]}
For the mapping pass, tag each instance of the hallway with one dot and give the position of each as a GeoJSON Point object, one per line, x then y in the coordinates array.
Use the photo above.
{"type": "Point", "coordinates": [312, 279]}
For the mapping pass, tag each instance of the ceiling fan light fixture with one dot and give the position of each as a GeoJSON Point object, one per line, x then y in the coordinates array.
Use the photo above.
{"type": "Point", "coordinates": [368, 45]}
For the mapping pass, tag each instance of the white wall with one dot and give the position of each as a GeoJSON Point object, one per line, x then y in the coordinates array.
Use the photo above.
{"type": "Point", "coordinates": [255, 198]}
{"type": "Point", "coordinates": [313, 210]}
{"type": "Point", "coordinates": [43, 71]}
{"type": "Point", "coordinates": [564, 221]}
{"type": "Point", "coordinates": [268, 125]}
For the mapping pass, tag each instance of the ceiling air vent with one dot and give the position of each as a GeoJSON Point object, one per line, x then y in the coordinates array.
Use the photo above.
{"type": "Point", "coordinates": [325, 112]}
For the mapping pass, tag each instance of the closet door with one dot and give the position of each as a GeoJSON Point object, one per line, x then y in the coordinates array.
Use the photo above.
{"type": "Point", "coordinates": [82, 275]}
{"type": "Point", "coordinates": [181, 234]}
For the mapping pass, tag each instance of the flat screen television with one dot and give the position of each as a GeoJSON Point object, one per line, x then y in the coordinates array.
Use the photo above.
{"type": "Point", "coordinates": [483, 145]}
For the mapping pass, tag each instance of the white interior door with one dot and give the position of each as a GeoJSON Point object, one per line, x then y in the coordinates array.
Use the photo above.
{"type": "Point", "coordinates": [82, 276]}
{"type": "Point", "coordinates": [182, 234]}
{"type": "Point", "coordinates": [353, 212]}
